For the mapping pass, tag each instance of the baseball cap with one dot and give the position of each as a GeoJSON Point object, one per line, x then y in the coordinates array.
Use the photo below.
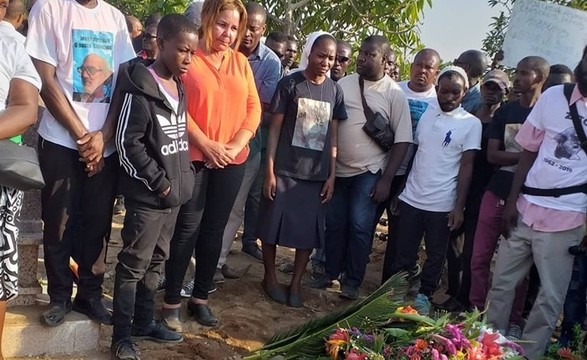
{"type": "Point", "coordinates": [499, 77]}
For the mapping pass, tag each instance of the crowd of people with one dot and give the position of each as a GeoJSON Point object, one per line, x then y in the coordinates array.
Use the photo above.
{"type": "Point", "coordinates": [194, 126]}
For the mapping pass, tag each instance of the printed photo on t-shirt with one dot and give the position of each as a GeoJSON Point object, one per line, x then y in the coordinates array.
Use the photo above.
{"type": "Point", "coordinates": [92, 66]}
{"type": "Point", "coordinates": [312, 122]}
{"type": "Point", "coordinates": [568, 145]}
{"type": "Point", "coordinates": [509, 142]}
{"type": "Point", "coordinates": [417, 108]}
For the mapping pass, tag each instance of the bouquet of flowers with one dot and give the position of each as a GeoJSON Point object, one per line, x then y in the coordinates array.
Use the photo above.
{"type": "Point", "coordinates": [381, 327]}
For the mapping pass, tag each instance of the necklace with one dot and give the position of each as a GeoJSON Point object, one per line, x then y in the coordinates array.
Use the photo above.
{"type": "Point", "coordinates": [320, 113]}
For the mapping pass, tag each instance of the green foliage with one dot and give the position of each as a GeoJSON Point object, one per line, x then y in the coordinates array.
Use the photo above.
{"type": "Point", "coordinates": [307, 340]}
{"type": "Point", "coordinates": [143, 8]}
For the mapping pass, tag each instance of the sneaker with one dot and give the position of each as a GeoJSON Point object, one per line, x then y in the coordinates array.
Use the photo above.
{"type": "Point", "coordinates": [218, 277]}
{"type": "Point", "coordinates": [119, 208]}
{"type": "Point", "coordinates": [187, 289]}
{"type": "Point", "coordinates": [318, 271]}
{"type": "Point", "coordinates": [349, 292]}
{"type": "Point", "coordinates": [254, 251]}
{"type": "Point", "coordinates": [94, 309]}
{"type": "Point", "coordinates": [124, 350]}
{"type": "Point", "coordinates": [155, 331]}
{"type": "Point", "coordinates": [422, 305]}
{"type": "Point", "coordinates": [229, 273]}
{"type": "Point", "coordinates": [514, 332]}
{"type": "Point", "coordinates": [319, 283]}
{"type": "Point", "coordinates": [161, 283]}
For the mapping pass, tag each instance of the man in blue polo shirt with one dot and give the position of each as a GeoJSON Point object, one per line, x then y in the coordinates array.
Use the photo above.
{"type": "Point", "coordinates": [267, 71]}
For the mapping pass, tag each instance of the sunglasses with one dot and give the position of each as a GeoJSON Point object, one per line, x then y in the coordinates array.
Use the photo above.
{"type": "Point", "coordinates": [342, 59]}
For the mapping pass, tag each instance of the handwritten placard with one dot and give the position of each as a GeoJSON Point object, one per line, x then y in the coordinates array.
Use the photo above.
{"type": "Point", "coordinates": [557, 33]}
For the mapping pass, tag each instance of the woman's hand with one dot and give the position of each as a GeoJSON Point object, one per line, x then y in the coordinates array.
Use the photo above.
{"type": "Point", "coordinates": [217, 155]}
{"type": "Point", "coordinates": [327, 190]}
{"type": "Point", "coordinates": [270, 186]}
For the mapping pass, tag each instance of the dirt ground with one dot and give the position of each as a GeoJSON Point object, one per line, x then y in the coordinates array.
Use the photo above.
{"type": "Point", "coordinates": [247, 317]}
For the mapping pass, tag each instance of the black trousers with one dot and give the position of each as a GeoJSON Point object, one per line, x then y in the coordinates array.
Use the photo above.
{"type": "Point", "coordinates": [459, 264]}
{"type": "Point", "coordinates": [200, 226]}
{"type": "Point", "coordinates": [413, 225]}
{"type": "Point", "coordinates": [77, 216]}
{"type": "Point", "coordinates": [146, 236]}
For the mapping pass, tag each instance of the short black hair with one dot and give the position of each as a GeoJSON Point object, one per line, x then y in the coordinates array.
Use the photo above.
{"type": "Point", "coordinates": [477, 61]}
{"type": "Point", "coordinates": [428, 51]}
{"type": "Point", "coordinates": [537, 64]}
{"type": "Point", "coordinates": [277, 36]}
{"type": "Point", "coordinates": [154, 18]}
{"type": "Point", "coordinates": [254, 8]}
{"type": "Point", "coordinates": [451, 74]}
{"type": "Point", "coordinates": [291, 38]}
{"type": "Point", "coordinates": [380, 41]}
{"type": "Point", "coordinates": [173, 24]}
{"type": "Point", "coordinates": [321, 38]}
{"type": "Point", "coordinates": [15, 9]}
{"type": "Point", "coordinates": [561, 69]}
{"type": "Point", "coordinates": [342, 43]}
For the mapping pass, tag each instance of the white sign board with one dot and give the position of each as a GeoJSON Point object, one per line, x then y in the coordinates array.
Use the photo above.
{"type": "Point", "coordinates": [554, 32]}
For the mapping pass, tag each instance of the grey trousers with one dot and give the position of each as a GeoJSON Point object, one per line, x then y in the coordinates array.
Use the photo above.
{"type": "Point", "coordinates": [550, 253]}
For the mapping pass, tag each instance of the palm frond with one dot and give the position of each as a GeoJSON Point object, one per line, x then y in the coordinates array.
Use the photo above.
{"type": "Point", "coordinates": [308, 339]}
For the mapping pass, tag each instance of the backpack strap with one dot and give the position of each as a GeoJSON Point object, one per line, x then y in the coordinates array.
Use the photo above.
{"type": "Point", "coordinates": [568, 91]}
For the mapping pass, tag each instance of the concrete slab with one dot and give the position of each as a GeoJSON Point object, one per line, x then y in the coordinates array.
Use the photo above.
{"type": "Point", "coordinates": [24, 335]}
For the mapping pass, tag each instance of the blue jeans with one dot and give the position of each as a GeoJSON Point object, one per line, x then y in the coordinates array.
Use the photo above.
{"type": "Point", "coordinates": [349, 228]}
{"type": "Point", "coordinates": [574, 309]}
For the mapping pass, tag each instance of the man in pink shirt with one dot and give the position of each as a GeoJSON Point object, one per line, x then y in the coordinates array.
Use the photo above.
{"type": "Point", "coordinates": [544, 214]}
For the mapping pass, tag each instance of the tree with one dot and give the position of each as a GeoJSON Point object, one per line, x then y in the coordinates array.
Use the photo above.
{"type": "Point", "coordinates": [494, 40]}
{"type": "Point", "coordinates": [143, 8]}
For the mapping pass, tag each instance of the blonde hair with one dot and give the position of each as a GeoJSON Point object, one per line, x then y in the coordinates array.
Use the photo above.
{"type": "Point", "coordinates": [210, 14]}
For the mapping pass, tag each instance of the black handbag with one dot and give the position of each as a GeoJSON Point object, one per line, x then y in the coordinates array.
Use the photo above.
{"type": "Point", "coordinates": [377, 126]}
{"type": "Point", "coordinates": [19, 167]}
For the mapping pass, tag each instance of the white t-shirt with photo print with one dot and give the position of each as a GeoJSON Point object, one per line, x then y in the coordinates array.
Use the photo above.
{"type": "Point", "coordinates": [442, 138]}
{"type": "Point", "coordinates": [560, 161]}
{"type": "Point", "coordinates": [86, 46]}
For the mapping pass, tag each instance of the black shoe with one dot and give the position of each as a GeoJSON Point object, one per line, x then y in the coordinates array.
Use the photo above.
{"type": "Point", "coordinates": [124, 350]}
{"type": "Point", "coordinates": [451, 305]}
{"type": "Point", "coordinates": [157, 332]}
{"type": "Point", "coordinates": [321, 283]}
{"type": "Point", "coordinates": [254, 251]}
{"type": "Point", "coordinates": [55, 313]}
{"type": "Point", "coordinates": [349, 292]}
{"type": "Point", "coordinates": [202, 314]}
{"type": "Point", "coordinates": [94, 309]}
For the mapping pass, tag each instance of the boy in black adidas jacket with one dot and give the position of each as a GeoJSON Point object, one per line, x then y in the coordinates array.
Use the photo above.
{"type": "Point", "coordinates": [156, 178]}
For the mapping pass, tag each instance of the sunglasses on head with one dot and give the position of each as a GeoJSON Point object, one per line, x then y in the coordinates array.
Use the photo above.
{"type": "Point", "coordinates": [342, 59]}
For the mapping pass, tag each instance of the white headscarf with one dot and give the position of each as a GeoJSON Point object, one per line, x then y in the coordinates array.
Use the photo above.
{"type": "Point", "coordinates": [308, 48]}
{"type": "Point", "coordinates": [458, 70]}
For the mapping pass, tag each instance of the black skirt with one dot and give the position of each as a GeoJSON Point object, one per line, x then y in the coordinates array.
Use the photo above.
{"type": "Point", "coordinates": [295, 218]}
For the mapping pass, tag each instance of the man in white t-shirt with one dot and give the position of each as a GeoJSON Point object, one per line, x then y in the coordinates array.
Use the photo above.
{"type": "Point", "coordinates": [433, 200]}
{"type": "Point", "coordinates": [15, 17]}
{"type": "Point", "coordinates": [421, 94]}
{"type": "Point", "coordinates": [364, 170]}
{"type": "Point", "coordinates": [76, 151]}
{"type": "Point", "coordinates": [544, 214]}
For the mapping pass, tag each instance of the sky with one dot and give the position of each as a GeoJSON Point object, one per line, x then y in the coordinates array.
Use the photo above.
{"type": "Point", "coordinates": [451, 35]}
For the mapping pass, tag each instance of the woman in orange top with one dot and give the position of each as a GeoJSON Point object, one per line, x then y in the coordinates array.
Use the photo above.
{"type": "Point", "coordinates": [224, 113]}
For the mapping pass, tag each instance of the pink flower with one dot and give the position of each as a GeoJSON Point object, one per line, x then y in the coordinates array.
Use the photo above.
{"type": "Point", "coordinates": [449, 347]}
{"type": "Point", "coordinates": [490, 346]}
{"type": "Point", "coordinates": [353, 354]}
{"type": "Point", "coordinates": [456, 337]}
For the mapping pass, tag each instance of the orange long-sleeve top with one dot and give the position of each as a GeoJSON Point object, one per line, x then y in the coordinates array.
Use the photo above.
{"type": "Point", "coordinates": [221, 102]}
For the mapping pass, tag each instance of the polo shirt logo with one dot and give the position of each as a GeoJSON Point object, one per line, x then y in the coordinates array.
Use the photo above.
{"type": "Point", "coordinates": [447, 139]}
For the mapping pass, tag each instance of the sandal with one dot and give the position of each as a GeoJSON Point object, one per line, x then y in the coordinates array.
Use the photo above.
{"type": "Point", "coordinates": [275, 293]}
{"type": "Point", "coordinates": [55, 315]}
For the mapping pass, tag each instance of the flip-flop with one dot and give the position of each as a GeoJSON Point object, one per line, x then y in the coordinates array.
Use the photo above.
{"type": "Point", "coordinates": [276, 293]}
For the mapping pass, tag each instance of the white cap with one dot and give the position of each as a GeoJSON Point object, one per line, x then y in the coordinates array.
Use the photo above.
{"type": "Point", "coordinates": [458, 70]}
